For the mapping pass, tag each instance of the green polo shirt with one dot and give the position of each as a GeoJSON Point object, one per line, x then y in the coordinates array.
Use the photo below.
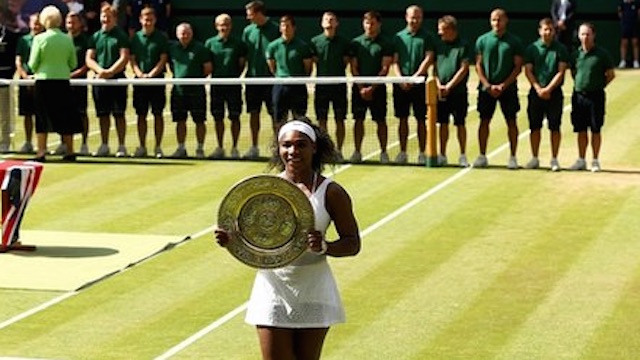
{"type": "Point", "coordinates": [24, 49]}
{"type": "Point", "coordinates": [188, 62]}
{"type": "Point", "coordinates": [589, 69]}
{"type": "Point", "coordinates": [449, 59]}
{"type": "Point", "coordinates": [369, 53]}
{"type": "Point", "coordinates": [107, 45]}
{"type": "Point", "coordinates": [226, 55]}
{"type": "Point", "coordinates": [257, 38]}
{"type": "Point", "coordinates": [545, 59]}
{"type": "Point", "coordinates": [330, 54]}
{"type": "Point", "coordinates": [289, 56]}
{"type": "Point", "coordinates": [411, 49]}
{"type": "Point", "coordinates": [81, 44]}
{"type": "Point", "coordinates": [53, 55]}
{"type": "Point", "coordinates": [149, 48]}
{"type": "Point", "coordinates": [498, 54]}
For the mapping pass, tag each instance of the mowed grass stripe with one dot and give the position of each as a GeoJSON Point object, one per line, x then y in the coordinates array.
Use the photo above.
{"type": "Point", "coordinates": [222, 337]}
{"type": "Point", "coordinates": [435, 274]}
{"type": "Point", "coordinates": [345, 263]}
{"type": "Point", "coordinates": [153, 307]}
{"type": "Point", "coordinates": [563, 325]}
{"type": "Point", "coordinates": [247, 333]}
{"type": "Point", "coordinates": [13, 302]}
{"type": "Point", "coordinates": [616, 338]}
{"type": "Point", "coordinates": [141, 199]}
{"type": "Point", "coordinates": [552, 244]}
{"type": "Point", "coordinates": [377, 191]}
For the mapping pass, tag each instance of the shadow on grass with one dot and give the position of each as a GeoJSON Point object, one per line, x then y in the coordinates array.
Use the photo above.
{"type": "Point", "coordinates": [562, 170]}
{"type": "Point", "coordinates": [67, 252]}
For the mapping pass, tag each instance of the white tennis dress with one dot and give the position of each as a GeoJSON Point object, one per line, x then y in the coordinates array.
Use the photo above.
{"type": "Point", "coordinates": [303, 294]}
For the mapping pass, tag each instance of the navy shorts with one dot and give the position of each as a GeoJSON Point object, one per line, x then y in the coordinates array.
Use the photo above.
{"type": "Point", "coordinates": [231, 95]}
{"type": "Point", "coordinates": [509, 104]}
{"type": "Point", "coordinates": [255, 95]}
{"type": "Point", "coordinates": [289, 98]}
{"type": "Point", "coordinates": [26, 103]}
{"type": "Point", "coordinates": [191, 101]}
{"type": "Point", "coordinates": [377, 106]}
{"type": "Point", "coordinates": [456, 105]}
{"type": "Point", "coordinates": [628, 30]}
{"type": "Point", "coordinates": [110, 100]}
{"type": "Point", "coordinates": [414, 97]}
{"type": "Point", "coordinates": [145, 96]}
{"type": "Point", "coordinates": [538, 109]}
{"type": "Point", "coordinates": [326, 95]}
{"type": "Point", "coordinates": [587, 110]}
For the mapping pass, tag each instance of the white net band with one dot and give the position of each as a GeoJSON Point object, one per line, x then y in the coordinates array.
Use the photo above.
{"type": "Point", "coordinates": [240, 81]}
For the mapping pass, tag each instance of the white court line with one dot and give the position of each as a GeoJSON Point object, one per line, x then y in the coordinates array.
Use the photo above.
{"type": "Point", "coordinates": [195, 337]}
{"type": "Point", "coordinates": [37, 309]}
{"type": "Point", "coordinates": [242, 307]}
{"type": "Point", "coordinates": [221, 321]}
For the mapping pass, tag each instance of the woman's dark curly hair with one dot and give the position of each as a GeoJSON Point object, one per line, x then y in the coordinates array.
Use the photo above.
{"type": "Point", "coordinates": [326, 152]}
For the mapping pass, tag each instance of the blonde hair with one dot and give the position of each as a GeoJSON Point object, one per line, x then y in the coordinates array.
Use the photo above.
{"type": "Point", "coordinates": [106, 8]}
{"type": "Point", "coordinates": [222, 18]}
{"type": "Point", "coordinates": [50, 17]}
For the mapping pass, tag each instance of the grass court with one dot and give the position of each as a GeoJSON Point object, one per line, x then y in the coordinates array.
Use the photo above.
{"type": "Point", "coordinates": [455, 263]}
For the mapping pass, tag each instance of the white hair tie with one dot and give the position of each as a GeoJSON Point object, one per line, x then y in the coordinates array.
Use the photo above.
{"type": "Point", "coordinates": [300, 126]}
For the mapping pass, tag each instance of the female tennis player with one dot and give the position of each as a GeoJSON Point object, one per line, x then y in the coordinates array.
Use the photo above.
{"type": "Point", "coordinates": [294, 306]}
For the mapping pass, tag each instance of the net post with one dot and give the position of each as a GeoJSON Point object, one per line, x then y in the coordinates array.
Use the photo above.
{"type": "Point", "coordinates": [432, 115]}
{"type": "Point", "coordinates": [6, 116]}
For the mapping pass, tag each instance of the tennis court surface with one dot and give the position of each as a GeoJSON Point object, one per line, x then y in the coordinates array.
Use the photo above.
{"type": "Point", "coordinates": [68, 261]}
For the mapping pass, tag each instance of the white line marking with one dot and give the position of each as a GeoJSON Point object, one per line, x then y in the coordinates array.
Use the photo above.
{"type": "Point", "coordinates": [36, 309]}
{"type": "Point", "coordinates": [221, 321]}
{"type": "Point", "coordinates": [195, 337]}
{"type": "Point", "coordinates": [242, 307]}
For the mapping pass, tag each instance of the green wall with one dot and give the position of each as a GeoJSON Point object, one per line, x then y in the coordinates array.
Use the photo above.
{"type": "Point", "coordinates": [472, 16]}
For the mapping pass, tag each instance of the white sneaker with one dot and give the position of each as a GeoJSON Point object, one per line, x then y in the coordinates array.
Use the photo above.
{"type": "Point", "coordinates": [218, 153]}
{"type": "Point", "coordinates": [622, 64]}
{"type": "Point", "coordinates": [199, 153]}
{"type": "Point", "coordinates": [122, 151]}
{"type": "Point", "coordinates": [356, 157]}
{"type": "Point", "coordinates": [401, 158]}
{"type": "Point", "coordinates": [180, 153]}
{"type": "Point", "coordinates": [384, 158]}
{"type": "Point", "coordinates": [84, 150]}
{"type": "Point", "coordinates": [103, 150]}
{"type": "Point", "coordinates": [462, 161]}
{"type": "Point", "coordinates": [481, 162]}
{"type": "Point", "coordinates": [441, 160]}
{"type": "Point", "coordinates": [140, 152]}
{"type": "Point", "coordinates": [60, 150]}
{"type": "Point", "coordinates": [159, 153]}
{"type": "Point", "coordinates": [27, 148]}
{"type": "Point", "coordinates": [555, 166]}
{"type": "Point", "coordinates": [636, 64]}
{"type": "Point", "coordinates": [512, 164]}
{"type": "Point", "coordinates": [422, 159]}
{"type": "Point", "coordinates": [580, 164]}
{"type": "Point", "coordinates": [595, 166]}
{"type": "Point", "coordinates": [534, 163]}
{"type": "Point", "coordinates": [253, 153]}
{"type": "Point", "coordinates": [235, 154]}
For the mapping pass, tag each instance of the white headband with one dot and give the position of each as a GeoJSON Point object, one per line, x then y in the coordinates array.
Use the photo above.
{"type": "Point", "coordinates": [297, 125]}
